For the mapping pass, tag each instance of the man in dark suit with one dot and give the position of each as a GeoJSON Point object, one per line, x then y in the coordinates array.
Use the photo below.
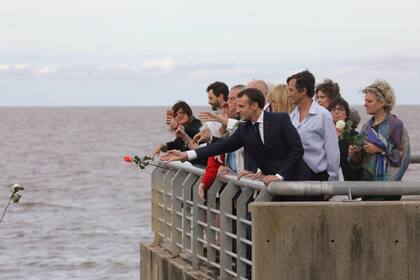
{"type": "Point", "coordinates": [269, 138]}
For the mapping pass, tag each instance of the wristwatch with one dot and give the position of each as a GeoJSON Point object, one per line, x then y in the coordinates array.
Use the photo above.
{"type": "Point", "coordinates": [383, 153]}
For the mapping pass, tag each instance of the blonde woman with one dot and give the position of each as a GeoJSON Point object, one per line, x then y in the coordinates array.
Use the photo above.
{"type": "Point", "coordinates": [279, 99]}
{"type": "Point", "coordinates": [386, 153]}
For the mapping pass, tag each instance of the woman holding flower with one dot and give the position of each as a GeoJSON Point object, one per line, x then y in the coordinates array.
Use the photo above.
{"type": "Point", "coordinates": [385, 154]}
{"type": "Point", "coordinates": [346, 133]}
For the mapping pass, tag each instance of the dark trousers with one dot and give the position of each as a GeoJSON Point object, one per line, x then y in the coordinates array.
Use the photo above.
{"type": "Point", "coordinates": [321, 176]}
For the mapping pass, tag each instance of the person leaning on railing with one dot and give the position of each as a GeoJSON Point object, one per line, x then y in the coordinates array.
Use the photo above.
{"type": "Point", "coordinates": [180, 117]}
{"type": "Point", "coordinates": [217, 164]}
{"type": "Point", "coordinates": [385, 156]}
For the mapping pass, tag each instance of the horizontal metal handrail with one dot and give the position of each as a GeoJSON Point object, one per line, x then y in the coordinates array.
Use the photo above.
{"type": "Point", "coordinates": [315, 188]}
{"type": "Point", "coordinates": [188, 167]}
{"type": "Point", "coordinates": [415, 158]}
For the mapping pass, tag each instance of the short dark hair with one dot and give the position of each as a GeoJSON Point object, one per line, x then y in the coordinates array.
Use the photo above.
{"type": "Point", "coordinates": [219, 88]}
{"type": "Point", "coordinates": [254, 95]}
{"type": "Point", "coordinates": [304, 79]}
{"type": "Point", "coordinates": [340, 101]}
{"type": "Point", "coordinates": [331, 89]}
{"type": "Point", "coordinates": [184, 106]}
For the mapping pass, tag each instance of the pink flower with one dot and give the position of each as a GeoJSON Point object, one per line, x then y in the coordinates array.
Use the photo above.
{"type": "Point", "coordinates": [128, 159]}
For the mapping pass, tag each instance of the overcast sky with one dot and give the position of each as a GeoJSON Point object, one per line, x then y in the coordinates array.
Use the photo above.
{"type": "Point", "coordinates": [140, 53]}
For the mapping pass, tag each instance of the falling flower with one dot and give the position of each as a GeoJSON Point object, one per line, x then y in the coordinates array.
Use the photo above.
{"type": "Point", "coordinates": [15, 197]}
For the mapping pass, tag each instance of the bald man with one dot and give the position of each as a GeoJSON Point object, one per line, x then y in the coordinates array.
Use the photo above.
{"type": "Point", "coordinates": [263, 87]}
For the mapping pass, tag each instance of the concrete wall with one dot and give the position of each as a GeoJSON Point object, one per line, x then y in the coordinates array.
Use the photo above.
{"type": "Point", "coordinates": [352, 240]}
{"type": "Point", "coordinates": [157, 263]}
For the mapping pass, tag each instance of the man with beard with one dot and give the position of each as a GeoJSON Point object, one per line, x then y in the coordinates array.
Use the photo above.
{"type": "Point", "coordinates": [218, 95]}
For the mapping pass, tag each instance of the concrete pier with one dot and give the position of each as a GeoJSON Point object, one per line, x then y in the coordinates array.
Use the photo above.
{"type": "Point", "coordinates": [290, 240]}
{"type": "Point", "coordinates": [353, 240]}
{"type": "Point", "coordinates": [156, 263]}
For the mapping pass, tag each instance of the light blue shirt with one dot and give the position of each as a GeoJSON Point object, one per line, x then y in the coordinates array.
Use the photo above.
{"type": "Point", "coordinates": [319, 139]}
{"type": "Point", "coordinates": [231, 162]}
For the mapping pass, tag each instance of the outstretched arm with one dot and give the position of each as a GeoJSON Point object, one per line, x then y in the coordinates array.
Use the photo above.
{"type": "Point", "coordinates": [221, 147]}
{"type": "Point", "coordinates": [174, 155]}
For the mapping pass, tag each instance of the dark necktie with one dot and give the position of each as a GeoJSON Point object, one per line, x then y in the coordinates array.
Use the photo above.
{"type": "Point", "coordinates": [257, 132]}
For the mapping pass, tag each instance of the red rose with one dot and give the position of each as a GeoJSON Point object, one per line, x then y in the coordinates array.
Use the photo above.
{"type": "Point", "coordinates": [128, 159]}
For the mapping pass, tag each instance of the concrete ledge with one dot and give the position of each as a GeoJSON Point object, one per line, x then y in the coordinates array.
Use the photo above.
{"type": "Point", "coordinates": [353, 240]}
{"type": "Point", "coordinates": [158, 264]}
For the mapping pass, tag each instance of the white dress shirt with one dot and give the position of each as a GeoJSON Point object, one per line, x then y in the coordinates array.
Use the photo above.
{"type": "Point", "coordinates": [319, 138]}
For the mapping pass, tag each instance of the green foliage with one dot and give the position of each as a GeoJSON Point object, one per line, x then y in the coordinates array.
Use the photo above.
{"type": "Point", "coordinates": [142, 163]}
{"type": "Point", "coordinates": [356, 140]}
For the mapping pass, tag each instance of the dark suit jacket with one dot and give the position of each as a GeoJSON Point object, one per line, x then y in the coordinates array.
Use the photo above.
{"type": "Point", "coordinates": [282, 152]}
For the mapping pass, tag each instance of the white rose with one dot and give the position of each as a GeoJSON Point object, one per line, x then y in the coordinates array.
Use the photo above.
{"type": "Point", "coordinates": [15, 188]}
{"type": "Point", "coordinates": [340, 124]}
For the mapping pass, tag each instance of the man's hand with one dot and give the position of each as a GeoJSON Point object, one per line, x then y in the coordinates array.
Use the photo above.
{"type": "Point", "coordinates": [338, 131]}
{"type": "Point", "coordinates": [269, 178]}
{"type": "Point", "coordinates": [224, 170]}
{"type": "Point", "coordinates": [202, 137]}
{"type": "Point", "coordinates": [371, 148]}
{"type": "Point", "coordinates": [174, 155]}
{"type": "Point", "coordinates": [250, 175]}
{"type": "Point", "coordinates": [201, 191]}
{"type": "Point", "coordinates": [209, 117]}
{"type": "Point", "coordinates": [156, 150]}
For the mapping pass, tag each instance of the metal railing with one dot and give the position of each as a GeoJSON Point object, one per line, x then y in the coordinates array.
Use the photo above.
{"type": "Point", "coordinates": [218, 233]}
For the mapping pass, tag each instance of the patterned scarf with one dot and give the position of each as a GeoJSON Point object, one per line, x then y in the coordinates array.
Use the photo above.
{"type": "Point", "coordinates": [381, 161]}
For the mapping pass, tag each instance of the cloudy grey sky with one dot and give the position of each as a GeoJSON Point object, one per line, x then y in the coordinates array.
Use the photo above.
{"type": "Point", "coordinates": [140, 53]}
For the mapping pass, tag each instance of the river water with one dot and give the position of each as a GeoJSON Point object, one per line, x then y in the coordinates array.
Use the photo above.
{"type": "Point", "coordinates": [84, 210]}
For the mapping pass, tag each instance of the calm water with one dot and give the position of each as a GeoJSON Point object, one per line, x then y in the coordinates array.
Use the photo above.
{"type": "Point", "coordinates": [84, 210]}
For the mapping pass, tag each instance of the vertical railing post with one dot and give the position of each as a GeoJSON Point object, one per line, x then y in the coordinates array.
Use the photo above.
{"type": "Point", "coordinates": [187, 212]}
{"type": "Point", "coordinates": [198, 215]}
{"type": "Point", "coordinates": [176, 214]}
{"type": "Point", "coordinates": [167, 204]}
{"type": "Point", "coordinates": [226, 227]}
{"type": "Point", "coordinates": [244, 249]}
{"type": "Point", "coordinates": [157, 203]}
{"type": "Point", "coordinates": [213, 237]}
